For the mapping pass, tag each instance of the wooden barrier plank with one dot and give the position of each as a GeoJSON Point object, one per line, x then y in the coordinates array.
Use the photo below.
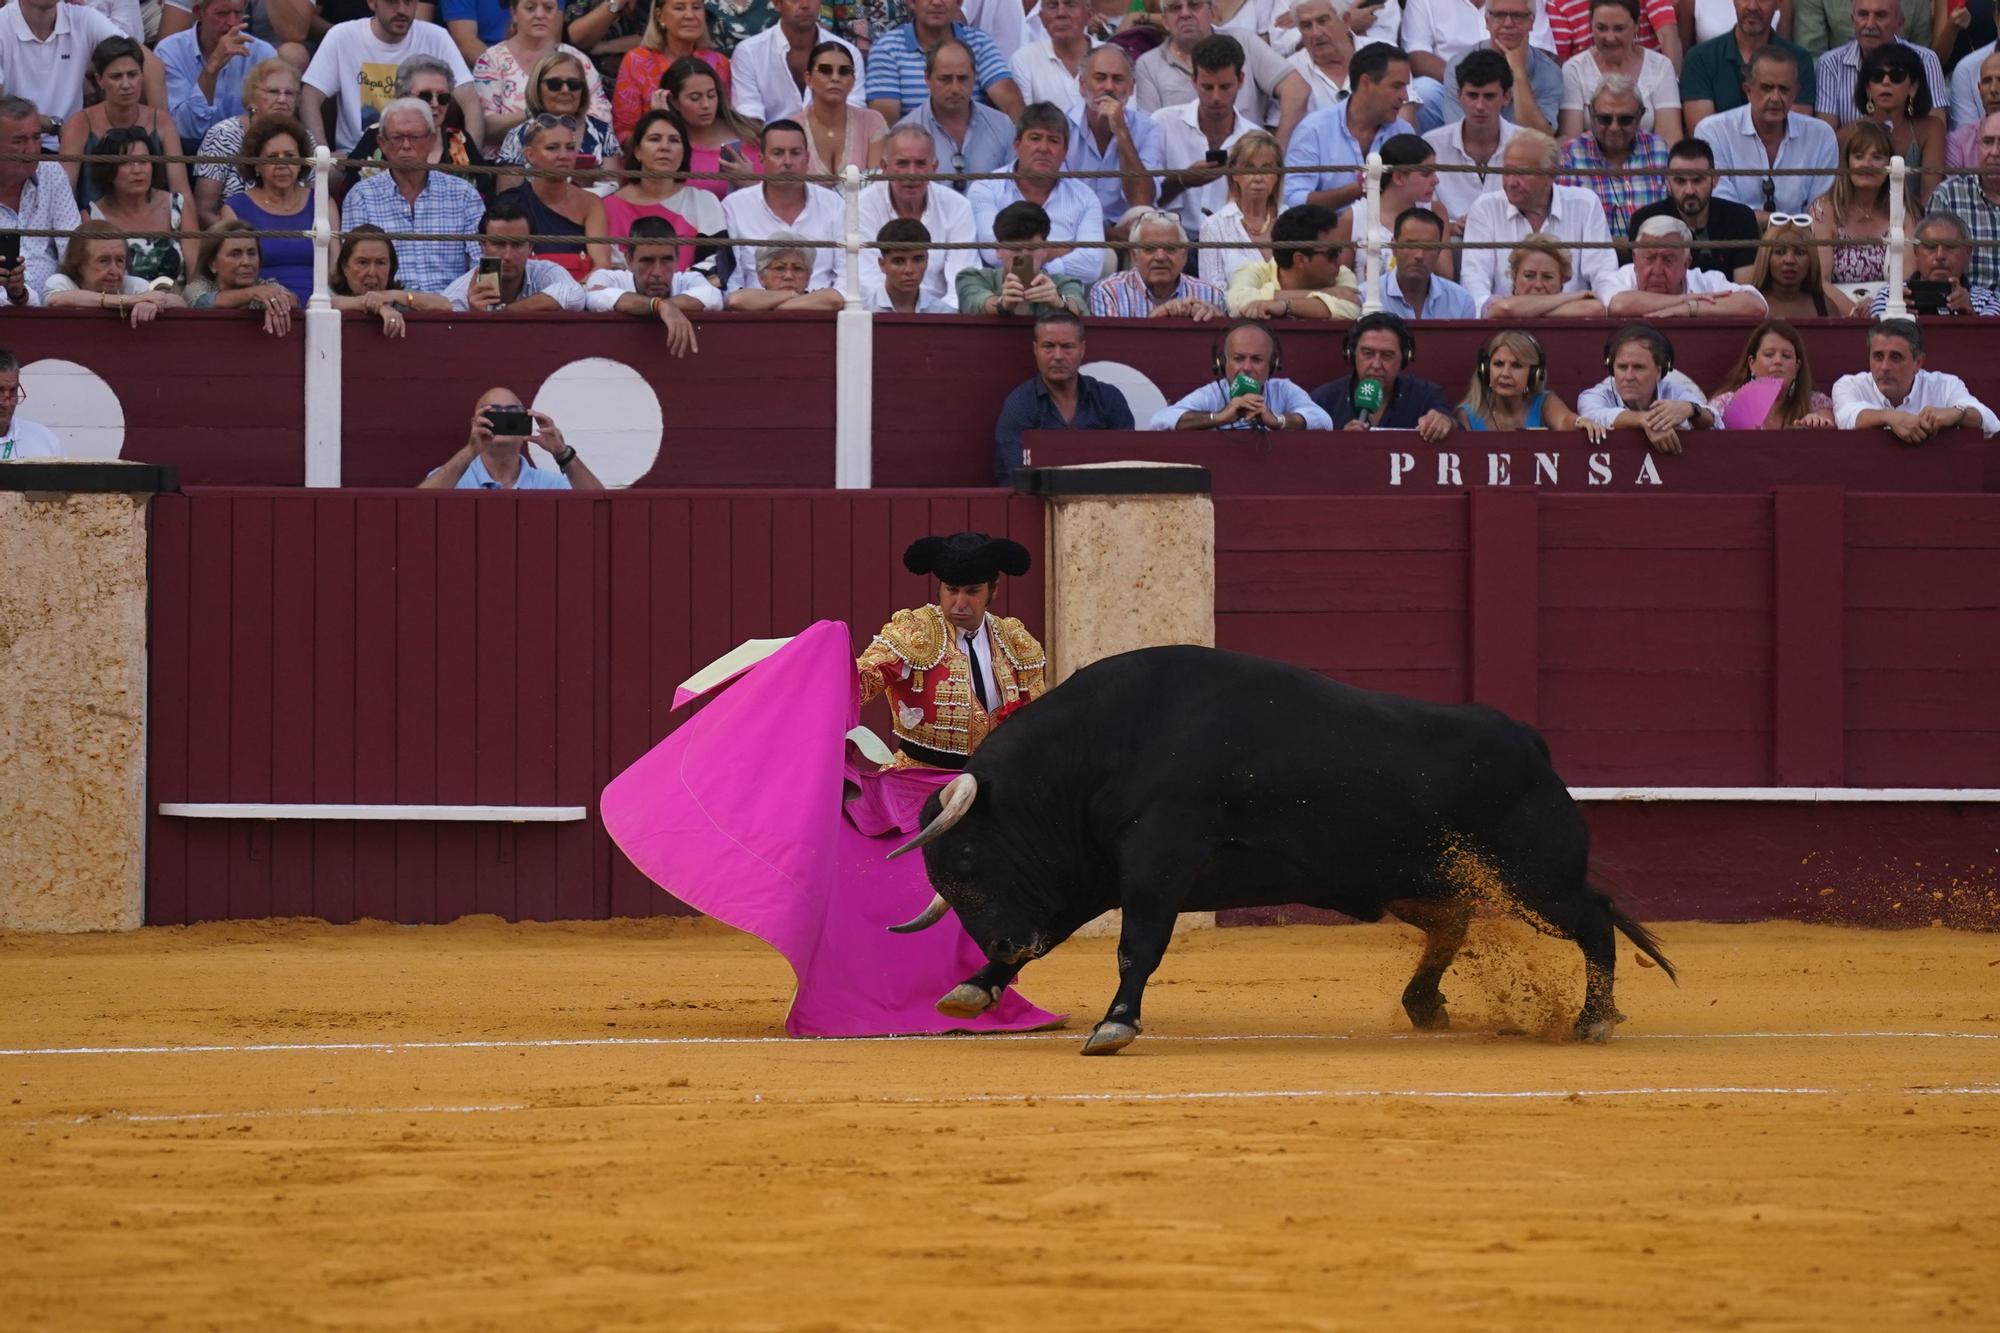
{"type": "Point", "coordinates": [250, 727]}
{"type": "Point", "coordinates": [791, 565]}
{"type": "Point", "coordinates": [1896, 637]}
{"type": "Point", "coordinates": [1027, 598]}
{"type": "Point", "coordinates": [831, 572]}
{"type": "Point", "coordinates": [1686, 580]}
{"type": "Point", "coordinates": [749, 570]}
{"type": "Point", "coordinates": [1656, 640]}
{"type": "Point", "coordinates": [1933, 521]}
{"type": "Point", "coordinates": [1922, 699]}
{"type": "Point", "coordinates": [1952, 758]}
{"type": "Point", "coordinates": [208, 700]}
{"type": "Point", "coordinates": [576, 642]}
{"type": "Point", "coordinates": [375, 576]}
{"type": "Point", "coordinates": [1646, 522]}
{"type": "Point", "coordinates": [1657, 700]}
{"type": "Point", "coordinates": [456, 562]}
{"type": "Point", "coordinates": [167, 688]}
{"type": "Point", "coordinates": [1328, 640]}
{"type": "Point", "coordinates": [1503, 605]}
{"type": "Point", "coordinates": [1349, 580]}
{"type": "Point", "coordinates": [708, 583]}
{"type": "Point", "coordinates": [540, 589]}
{"type": "Point", "coordinates": [1601, 757]}
{"type": "Point", "coordinates": [1341, 523]}
{"type": "Point", "coordinates": [1909, 578]}
{"type": "Point", "coordinates": [417, 687]}
{"type": "Point", "coordinates": [498, 688]}
{"type": "Point", "coordinates": [1809, 588]}
{"type": "Point", "coordinates": [294, 666]}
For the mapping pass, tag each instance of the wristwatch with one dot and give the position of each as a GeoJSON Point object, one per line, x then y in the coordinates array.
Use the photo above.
{"type": "Point", "coordinates": [566, 457]}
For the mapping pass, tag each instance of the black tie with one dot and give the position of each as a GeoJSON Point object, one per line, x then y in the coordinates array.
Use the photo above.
{"type": "Point", "coordinates": [978, 676]}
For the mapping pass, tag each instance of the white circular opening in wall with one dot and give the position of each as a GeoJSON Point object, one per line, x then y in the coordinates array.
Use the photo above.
{"type": "Point", "coordinates": [77, 405]}
{"type": "Point", "coordinates": [1141, 394]}
{"type": "Point", "coordinates": [608, 413]}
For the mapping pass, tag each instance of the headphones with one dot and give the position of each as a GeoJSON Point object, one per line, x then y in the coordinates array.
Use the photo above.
{"type": "Point", "coordinates": [1222, 342]}
{"type": "Point", "coordinates": [1655, 341]}
{"type": "Point", "coordinates": [1381, 319]}
{"type": "Point", "coordinates": [1538, 374]}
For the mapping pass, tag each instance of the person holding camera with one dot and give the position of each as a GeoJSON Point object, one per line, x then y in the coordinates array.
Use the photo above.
{"type": "Point", "coordinates": [495, 456]}
{"type": "Point", "coordinates": [1939, 287]}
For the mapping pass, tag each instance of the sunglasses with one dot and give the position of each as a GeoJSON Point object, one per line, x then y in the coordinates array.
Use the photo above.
{"type": "Point", "coordinates": [1792, 220]}
{"type": "Point", "coordinates": [1624, 122]}
{"type": "Point", "coordinates": [435, 99]}
{"type": "Point", "coordinates": [563, 85]}
{"type": "Point", "coordinates": [834, 71]}
{"type": "Point", "coordinates": [546, 121]}
{"type": "Point", "coordinates": [1891, 75]}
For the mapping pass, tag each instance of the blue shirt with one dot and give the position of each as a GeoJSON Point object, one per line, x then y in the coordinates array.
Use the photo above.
{"type": "Point", "coordinates": [1445, 300]}
{"type": "Point", "coordinates": [477, 478]}
{"type": "Point", "coordinates": [1083, 156]}
{"type": "Point", "coordinates": [194, 112]}
{"type": "Point", "coordinates": [1099, 406]}
{"type": "Point", "coordinates": [492, 16]}
{"type": "Point", "coordinates": [1280, 395]}
{"type": "Point", "coordinates": [1409, 400]}
{"type": "Point", "coordinates": [1809, 142]}
{"type": "Point", "coordinates": [1323, 139]}
{"type": "Point", "coordinates": [896, 66]}
{"type": "Point", "coordinates": [446, 204]}
{"type": "Point", "coordinates": [989, 141]}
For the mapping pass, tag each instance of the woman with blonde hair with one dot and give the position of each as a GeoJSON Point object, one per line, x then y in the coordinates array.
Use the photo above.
{"type": "Point", "coordinates": [1509, 389]}
{"type": "Point", "coordinates": [556, 91]}
{"type": "Point", "coordinates": [1854, 213]}
{"type": "Point", "coordinates": [1787, 271]}
{"type": "Point", "coordinates": [1255, 200]}
{"type": "Point", "coordinates": [676, 30]}
{"type": "Point", "coordinates": [509, 73]}
{"type": "Point", "coordinates": [1540, 268]}
{"type": "Point", "coordinates": [1773, 365]}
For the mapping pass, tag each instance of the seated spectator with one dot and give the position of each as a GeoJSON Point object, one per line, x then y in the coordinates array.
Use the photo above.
{"type": "Point", "coordinates": [411, 197]}
{"type": "Point", "coordinates": [896, 62]}
{"type": "Point", "coordinates": [45, 50]}
{"type": "Point", "coordinates": [1048, 70]}
{"type": "Point", "coordinates": [1632, 159]}
{"type": "Point", "coordinates": [350, 61]}
{"type": "Point", "coordinates": [1644, 392]}
{"type": "Point", "coordinates": [1478, 134]}
{"type": "Point", "coordinates": [1326, 46]}
{"type": "Point", "coordinates": [133, 196]}
{"type": "Point", "coordinates": [270, 88]}
{"type": "Point", "coordinates": [1771, 385]}
{"type": "Point", "coordinates": [658, 151]}
{"type": "Point", "coordinates": [428, 80]}
{"type": "Point", "coordinates": [1658, 284]}
{"type": "Point", "coordinates": [117, 66]}
{"type": "Point", "coordinates": [1107, 133]}
{"type": "Point", "coordinates": [1041, 141]}
{"type": "Point", "coordinates": [1787, 274]}
{"type": "Point", "coordinates": [1528, 202]}
{"type": "Point", "coordinates": [1614, 49]}
{"type": "Point", "coordinates": [512, 78]}
{"type": "Point", "coordinates": [652, 285]}
{"type": "Point", "coordinates": [557, 205]}
{"type": "Point", "coordinates": [676, 30]}
{"type": "Point", "coordinates": [1379, 349]}
{"type": "Point", "coordinates": [1024, 283]}
{"type": "Point", "coordinates": [1894, 99]}
{"type": "Point", "coordinates": [1976, 198]}
{"type": "Point", "coordinates": [33, 195]}
{"type": "Point", "coordinates": [1534, 75]}
{"type": "Point", "coordinates": [1273, 93]}
{"type": "Point", "coordinates": [1691, 198]}
{"type": "Point", "coordinates": [839, 134]}
{"type": "Point", "coordinates": [901, 288]}
{"type": "Point", "coordinates": [507, 276]}
{"type": "Point", "coordinates": [1822, 25]}
{"type": "Point", "coordinates": [1059, 397]}
{"type": "Point", "coordinates": [1195, 135]}
{"type": "Point", "coordinates": [364, 280]}
{"type": "Point", "coordinates": [491, 461]}
{"type": "Point", "coordinates": [966, 134]}
{"type": "Point", "coordinates": [1961, 146]}
{"type": "Point", "coordinates": [1411, 290]}
{"type": "Point", "coordinates": [207, 65]}
{"type": "Point", "coordinates": [1712, 79]}
{"type": "Point", "coordinates": [1245, 222]}
{"type": "Point", "coordinates": [811, 212]}
{"type": "Point", "coordinates": [285, 29]}
{"type": "Point", "coordinates": [1876, 23]}
{"type": "Point", "coordinates": [1540, 270]}
{"type": "Point", "coordinates": [1157, 284]}
{"type": "Point", "coordinates": [1247, 392]}
{"type": "Point", "coordinates": [1409, 180]}
{"type": "Point", "coordinates": [1938, 286]}
{"type": "Point", "coordinates": [1854, 213]}
{"type": "Point", "coordinates": [720, 141]}
{"type": "Point", "coordinates": [784, 280]}
{"type": "Point", "coordinates": [905, 194]}
{"type": "Point", "coordinates": [278, 201]}
{"type": "Point", "coordinates": [1304, 278]}
{"type": "Point", "coordinates": [1898, 395]}
{"type": "Point", "coordinates": [1509, 389]}
{"type": "Point", "coordinates": [760, 68]}
{"type": "Point", "coordinates": [20, 437]}
{"type": "Point", "coordinates": [93, 277]}
{"type": "Point", "coordinates": [557, 89]}
{"type": "Point", "coordinates": [1349, 132]}
{"type": "Point", "coordinates": [234, 263]}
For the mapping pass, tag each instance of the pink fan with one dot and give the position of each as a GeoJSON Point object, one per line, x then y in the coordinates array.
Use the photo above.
{"type": "Point", "coordinates": [1752, 403]}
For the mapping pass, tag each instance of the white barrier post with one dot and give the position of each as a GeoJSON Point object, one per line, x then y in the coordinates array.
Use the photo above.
{"type": "Point", "coordinates": [322, 385]}
{"type": "Point", "coordinates": [853, 359]}
{"type": "Point", "coordinates": [1895, 307]}
{"type": "Point", "coordinates": [1367, 253]}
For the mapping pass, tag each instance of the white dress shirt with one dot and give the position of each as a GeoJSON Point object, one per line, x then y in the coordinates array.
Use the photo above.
{"type": "Point", "coordinates": [1459, 190]}
{"type": "Point", "coordinates": [878, 302]}
{"type": "Point", "coordinates": [1074, 215]}
{"type": "Point", "coordinates": [1449, 28]}
{"type": "Point", "coordinates": [604, 286]}
{"type": "Point", "coordinates": [1321, 91]}
{"type": "Point", "coordinates": [748, 215]}
{"type": "Point", "coordinates": [1002, 20]}
{"type": "Point", "coordinates": [1280, 395]}
{"type": "Point", "coordinates": [1601, 403]}
{"type": "Point", "coordinates": [980, 644]}
{"type": "Point", "coordinates": [1856, 393]}
{"type": "Point", "coordinates": [1226, 227]}
{"type": "Point", "coordinates": [1044, 78]}
{"type": "Point", "coordinates": [1699, 280]}
{"type": "Point", "coordinates": [1809, 142]}
{"type": "Point", "coordinates": [947, 217]}
{"type": "Point", "coordinates": [761, 82]}
{"type": "Point", "coordinates": [28, 439]}
{"type": "Point", "coordinates": [1575, 214]}
{"type": "Point", "coordinates": [1182, 144]}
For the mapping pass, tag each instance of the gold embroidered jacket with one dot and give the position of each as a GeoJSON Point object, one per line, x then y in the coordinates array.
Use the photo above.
{"type": "Point", "coordinates": [933, 705]}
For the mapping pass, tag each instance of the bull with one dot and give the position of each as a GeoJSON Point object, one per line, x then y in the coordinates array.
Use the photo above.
{"type": "Point", "coordinates": [1188, 779]}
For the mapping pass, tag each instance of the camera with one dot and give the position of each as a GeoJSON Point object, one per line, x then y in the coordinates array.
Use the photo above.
{"type": "Point", "coordinates": [1926, 297]}
{"type": "Point", "coordinates": [509, 420]}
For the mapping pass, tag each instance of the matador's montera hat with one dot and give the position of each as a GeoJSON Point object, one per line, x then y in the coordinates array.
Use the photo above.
{"type": "Point", "coordinates": [966, 558]}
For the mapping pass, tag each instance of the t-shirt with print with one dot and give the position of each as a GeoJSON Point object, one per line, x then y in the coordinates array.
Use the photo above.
{"type": "Point", "coordinates": [357, 71]}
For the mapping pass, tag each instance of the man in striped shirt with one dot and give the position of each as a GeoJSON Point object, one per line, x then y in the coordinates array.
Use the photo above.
{"type": "Point", "coordinates": [896, 62]}
{"type": "Point", "coordinates": [1157, 283]}
{"type": "Point", "coordinates": [1941, 258]}
{"type": "Point", "coordinates": [1876, 23]}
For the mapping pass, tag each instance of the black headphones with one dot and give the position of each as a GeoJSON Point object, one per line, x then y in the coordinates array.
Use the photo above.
{"type": "Point", "coordinates": [1222, 342]}
{"type": "Point", "coordinates": [1538, 374]}
{"type": "Point", "coordinates": [1655, 341]}
{"type": "Point", "coordinates": [1381, 319]}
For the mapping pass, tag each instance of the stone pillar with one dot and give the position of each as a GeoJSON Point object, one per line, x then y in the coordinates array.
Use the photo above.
{"type": "Point", "coordinates": [73, 702]}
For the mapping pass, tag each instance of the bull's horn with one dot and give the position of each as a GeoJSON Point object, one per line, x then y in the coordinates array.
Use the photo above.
{"type": "Point", "coordinates": [928, 917]}
{"type": "Point", "coordinates": [959, 794]}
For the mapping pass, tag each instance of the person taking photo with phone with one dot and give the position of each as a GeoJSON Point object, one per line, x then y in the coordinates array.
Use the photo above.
{"type": "Point", "coordinates": [494, 456]}
{"type": "Point", "coordinates": [1022, 284]}
{"type": "Point", "coordinates": [1938, 286]}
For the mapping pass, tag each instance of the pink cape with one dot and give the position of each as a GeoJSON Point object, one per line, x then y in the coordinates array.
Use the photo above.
{"type": "Point", "coordinates": [740, 814]}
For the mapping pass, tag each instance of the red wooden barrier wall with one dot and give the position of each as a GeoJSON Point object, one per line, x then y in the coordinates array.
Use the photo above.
{"type": "Point", "coordinates": [457, 648]}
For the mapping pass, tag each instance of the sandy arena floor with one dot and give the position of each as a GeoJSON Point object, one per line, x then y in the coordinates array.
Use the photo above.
{"type": "Point", "coordinates": [592, 1126]}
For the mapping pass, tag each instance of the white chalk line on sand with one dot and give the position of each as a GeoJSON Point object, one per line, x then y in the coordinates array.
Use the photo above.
{"type": "Point", "coordinates": [548, 1043]}
{"type": "Point", "coordinates": [133, 1118]}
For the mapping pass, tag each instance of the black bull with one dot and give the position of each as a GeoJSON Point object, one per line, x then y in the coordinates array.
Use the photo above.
{"type": "Point", "coordinates": [1186, 779]}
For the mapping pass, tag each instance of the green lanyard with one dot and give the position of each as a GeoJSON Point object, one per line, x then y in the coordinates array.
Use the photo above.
{"type": "Point", "coordinates": [6, 449]}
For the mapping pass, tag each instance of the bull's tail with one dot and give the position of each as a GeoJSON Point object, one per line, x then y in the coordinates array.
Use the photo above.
{"type": "Point", "coordinates": [1645, 939]}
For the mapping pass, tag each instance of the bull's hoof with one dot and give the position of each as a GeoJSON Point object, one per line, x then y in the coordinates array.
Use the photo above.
{"type": "Point", "coordinates": [966, 1000]}
{"type": "Point", "coordinates": [1596, 1031]}
{"type": "Point", "coordinates": [1110, 1038]}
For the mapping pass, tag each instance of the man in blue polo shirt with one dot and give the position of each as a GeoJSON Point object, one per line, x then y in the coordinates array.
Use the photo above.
{"type": "Point", "coordinates": [489, 461]}
{"type": "Point", "coordinates": [1057, 398]}
{"type": "Point", "coordinates": [896, 62]}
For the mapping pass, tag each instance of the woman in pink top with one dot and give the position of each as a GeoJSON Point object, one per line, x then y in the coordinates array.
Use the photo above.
{"type": "Point", "coordinates": [719, 140]}
{"type": "Point", "coordinates": [837, 133]}
{"type": "Point", "coordinates": [677, 30]}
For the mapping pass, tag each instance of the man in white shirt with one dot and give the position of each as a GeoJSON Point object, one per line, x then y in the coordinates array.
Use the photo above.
{"type": "Point", "coordinates": [356, 66]}
{"type": "Point", "coordinates": [523, 284]}
{"type": "Point", "coordinates": [1643, 392]}
{"type": "Point", "coordinates": [1437, 33]}
{"type": "Point", "coordinates": [20, 437]}
{"type": "Point", "coordinates": [654, 286]}
{"type": "Point", "coordinates": [1275, 403]}
{"type": "Point", "coordinates": [1041, 142]}
{"type": "Point", "coordinates": [1478, 137]}
{"type": "Point", "coordinates": [33, 195]}
{"type": "Point", "coordinates": [1195, 137]}
{"type": "Point", "coordinates": [1658, 284]}
{"type": "Point", "coordinates": [1325, 47]}
{"type": "Point", "coordinates": [1347, 133]}
{"type": "Point", "coordinates": [809, 211]}
{"type": "Point", "coordinates": [1273, 93]}
{"type": "Point", "coordinates": [1108, 134]}
{"type": "Point", "coordinates": [904, 267]}
{"type": "Point", "coordinates": [1897, 394]}
{"type": "Point", "coordinates": [768, 71]}
{"type": "Point", "coordinates": [908, 157]}
{"type": "Point", "coordinates": [1765, 132]}
{"type": "Point", "coordinates": [45, 48]}
{"type": "Point", "coordinates": [1525, 204]}
{"type": "Point", "coordinates": [1048, 70]}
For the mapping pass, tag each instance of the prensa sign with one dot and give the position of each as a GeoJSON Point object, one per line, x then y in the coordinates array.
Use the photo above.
{"type": "Point", "coordinates": [1554, 468]}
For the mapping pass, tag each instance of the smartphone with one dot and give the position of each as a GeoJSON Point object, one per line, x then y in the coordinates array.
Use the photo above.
{"type": "Point", "coordinates": [488, 280]}
{"type": "Point", "coordinates": [1218, 157]}
{"type": "Point", "coordinates": [1022, 266]}
{"type": "Point", "coordinates": [734, 146]}
{"type": "Point", "coordinates": [510, 421]}
{"type": "Point", "coordinates": [10, 248]}
{"type": "Point", "coordinates": [1927, 298]}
